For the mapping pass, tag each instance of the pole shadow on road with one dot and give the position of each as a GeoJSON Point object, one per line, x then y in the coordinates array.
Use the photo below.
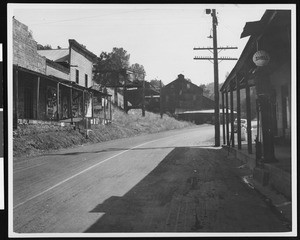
{"type": "Point", "coordinates": [193, 189]}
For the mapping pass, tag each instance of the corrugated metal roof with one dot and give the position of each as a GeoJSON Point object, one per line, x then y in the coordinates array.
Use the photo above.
{"type": "Point", "coordinates": [54, 54]}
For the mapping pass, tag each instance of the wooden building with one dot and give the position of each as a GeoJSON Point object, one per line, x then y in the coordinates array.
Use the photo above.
{"type": "Point", "coordinates": [265, 64]}
{"type": "Point", "coordinates": [182, 95]}
{"type": "Point", "coordinates": [54, 84]}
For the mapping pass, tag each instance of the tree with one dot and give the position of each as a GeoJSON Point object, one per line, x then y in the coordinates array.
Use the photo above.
{"type": "Point", "coordinates": [109, 67]}
{"type": "Point", "coordinates": [41, 47]}
{"type": "Point", "coordinates": [138, 71]}
{"type": "Point", "coordinates": [206, 91]}
{"type": "Point", "coordinates": [210, 90]}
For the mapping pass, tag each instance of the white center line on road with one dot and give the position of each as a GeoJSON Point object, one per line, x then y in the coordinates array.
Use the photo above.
{"type": "Point", "coordinates": [87, 169]}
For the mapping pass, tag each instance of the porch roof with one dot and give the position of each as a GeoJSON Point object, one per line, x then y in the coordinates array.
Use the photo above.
{"type": "Point", "coordinates": [65, 82]}
{"type": "Point", "coordinates": [205, 111]}
{"type": "Point", "coordinates": [271, 21]}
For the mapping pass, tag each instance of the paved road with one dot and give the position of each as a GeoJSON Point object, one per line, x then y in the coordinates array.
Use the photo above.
{"type": "Point", "coordinates": [167, 182]}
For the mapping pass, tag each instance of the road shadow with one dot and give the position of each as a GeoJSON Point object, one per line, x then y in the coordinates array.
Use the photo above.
{"type": "Point", "coordinates": [147, 206]}
{"type": "Point", "coordinates": [118, 149]}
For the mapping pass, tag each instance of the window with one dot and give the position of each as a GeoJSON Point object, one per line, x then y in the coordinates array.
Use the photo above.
{"type": "Point", "coordinates": [86, 80]}
{"type": "Point", "coordinates": [188, 86]}
{"type": "Point", "coordinates": [77, 76]}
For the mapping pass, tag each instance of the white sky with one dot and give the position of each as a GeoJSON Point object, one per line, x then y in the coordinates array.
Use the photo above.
{"type": "Point", "coordinates": [160, 37]}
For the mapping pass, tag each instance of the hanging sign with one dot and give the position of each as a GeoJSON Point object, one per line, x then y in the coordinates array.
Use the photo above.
{"type": "Point", "coordinates": [261, 58]}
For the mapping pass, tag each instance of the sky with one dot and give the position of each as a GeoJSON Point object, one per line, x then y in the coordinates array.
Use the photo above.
{"type": "Point", "coordinates": [161, 37]}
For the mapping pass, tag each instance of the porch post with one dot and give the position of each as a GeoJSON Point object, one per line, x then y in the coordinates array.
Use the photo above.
{"type": "Point", "coordinates": [116, 96]}
{"type": "Point", "coordinates": [57, 102]}
{"type": "Point", "coordinates": [110, 110]}
{"type": "Point", "coordinates": [16, 98]}
{"type": "Point", "coordinates": [263, 91]}
{"type": "Point", "coordinates": [223, 119]}
{"type": "Point", "coordinates": [38, 97]}
{"type": "Point", "coordinates": [71, 105]}
{"type": "Point", "coordinates": [83, 105]}
{"type": "Point", "coordinates": [104, 113]}
{"type": "Point", "coordinates": [231, 116]}
{"type": "Point", "coordinates": [125, 96]}
{"type": "Point", "coordinates": [248, 109]}
{"type": "Point", "coordinates": [227, 120]}
{"type": "Point", "coordinates": [92, 96]}
{"type": "Point", "coordinates": [238, 109]}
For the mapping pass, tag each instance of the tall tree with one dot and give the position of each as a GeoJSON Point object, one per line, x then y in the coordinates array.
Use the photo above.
{"type": "Point", "coordinates": [206, 91]}
{"type": "Point", "coordinates": [138, 71]}
{"type": "Point", "coordinates": [41, 47]}
{"type": "Point", "coordinates": [109, 66]}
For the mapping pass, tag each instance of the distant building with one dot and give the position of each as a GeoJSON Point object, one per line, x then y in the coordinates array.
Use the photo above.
{"type": "Point", "coordinates": [182, 95]}
{"type": "Point", "coordinates": [54, 84]}
{"type": "Point", "coordinates": [203, 116]}
{"type": "Point", "coordinates": [135, 97]}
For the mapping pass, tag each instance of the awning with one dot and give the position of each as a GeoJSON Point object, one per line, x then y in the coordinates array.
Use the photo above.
{"type": "Point", "coordinates": [252, 28]}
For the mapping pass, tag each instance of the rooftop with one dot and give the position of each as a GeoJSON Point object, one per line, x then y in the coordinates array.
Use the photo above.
{"type": "Point", "coordinates": [56, 55]}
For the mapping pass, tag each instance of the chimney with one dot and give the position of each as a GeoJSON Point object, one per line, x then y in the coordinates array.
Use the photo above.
{"type": "Point", "coordinates": [180, 76]}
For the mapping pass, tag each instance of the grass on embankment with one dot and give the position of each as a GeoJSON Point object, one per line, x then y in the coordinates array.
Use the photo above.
{"type": "Point", "coordinates": [32, 140]}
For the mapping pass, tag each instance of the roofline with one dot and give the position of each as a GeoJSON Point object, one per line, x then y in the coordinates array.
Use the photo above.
{"type": "Point", "coordinates": [52, 49]}
{"type": "Point", "coordinates": [78, 45]}
{"type": "Point", "coordinates": [62, 81]}
{"type": "Point", "coordinates": [183, 79]}
{"type": "Point", "coordinates": [268, 16]}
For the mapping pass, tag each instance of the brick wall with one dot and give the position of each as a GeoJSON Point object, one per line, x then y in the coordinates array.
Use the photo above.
{"type": "Point", "coordinates": [25, 49]}
{"type": "Point", "coordinates": [84, 66]}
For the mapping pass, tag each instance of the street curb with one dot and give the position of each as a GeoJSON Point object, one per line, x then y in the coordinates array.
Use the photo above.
{"type": "Point", "coordinates": [280, 205]}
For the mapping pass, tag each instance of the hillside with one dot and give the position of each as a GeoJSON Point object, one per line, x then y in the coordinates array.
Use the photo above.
{"type": "Point", "coordinates": [32, 140]}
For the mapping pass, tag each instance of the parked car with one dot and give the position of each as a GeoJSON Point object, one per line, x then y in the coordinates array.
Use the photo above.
{"type": "Point", "coordinates": [243, 124]}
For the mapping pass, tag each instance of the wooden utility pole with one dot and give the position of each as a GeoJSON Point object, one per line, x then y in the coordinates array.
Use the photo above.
{"type": "Point", "coordinates": [216, 70]}
{"type": "Point", "coordinates": [143, 98]}
{"type": "Point", "coordinates": [216, 80]}
{"type": "Point", "coordinates": [160, 100]}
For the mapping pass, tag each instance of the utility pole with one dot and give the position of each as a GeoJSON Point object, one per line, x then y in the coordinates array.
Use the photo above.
{"type": "Point", "coordinates": [216, 74]}
{"type": "Point", "coordinates": [216, 70]}
{"type": "Point", "coordinates": [160, 100]}
{"type": "Point", "coordinates": [143, 97]}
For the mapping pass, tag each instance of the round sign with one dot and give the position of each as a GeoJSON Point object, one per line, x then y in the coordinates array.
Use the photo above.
{"type": "Point", "coordinates": [261, 58]}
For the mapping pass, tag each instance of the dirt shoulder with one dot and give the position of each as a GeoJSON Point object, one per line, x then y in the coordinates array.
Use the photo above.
{"type": "Point", "coordinates": [33, 140]}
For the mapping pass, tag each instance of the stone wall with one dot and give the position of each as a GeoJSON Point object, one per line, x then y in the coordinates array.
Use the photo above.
{"type": "Point", "coordinates": [25, 49]}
